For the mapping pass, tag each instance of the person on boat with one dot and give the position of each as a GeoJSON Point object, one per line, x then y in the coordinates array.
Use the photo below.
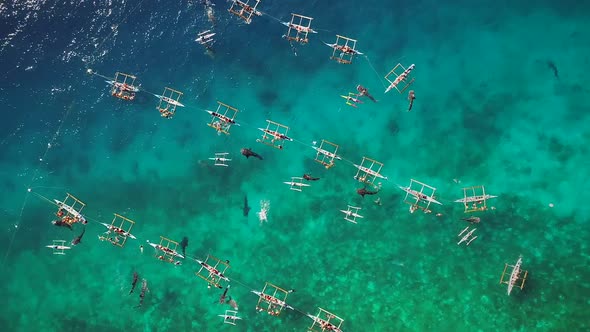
{"type": "Point", "coordinates": [165, 113]}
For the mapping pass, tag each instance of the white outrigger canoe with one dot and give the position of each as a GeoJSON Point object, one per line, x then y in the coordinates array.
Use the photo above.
{"type": "Point", "coordinates": [117, 229]}
{"type": "Point", "coordinates": [273, 300]}
{"type": "Point", "coordinates": [326, 153]}
{"type": "Point", "coordinates": [298, 27]}
{"type": "Point", "coordinates": [57, 247]}
{"type": "Point", "coordinates": [475, 198]}
{"type": "Point", "coordinates": [205, 37]}
{"type": "Point", "coordinates": [514, 275]}
{"type": "Point", "coordinates": [70, 210]}
{"type": "Point", "coordinates": [276, 134]}
{"type": "Point", "coordinates": [297, 184]}
{"type": "Point", "coordinates": [335, 46]}
{"type": "Point", "coordinates": [170, 101]}
{"type": "Point", "coordinates": [370, 172]}
{"type": "Point", "coordinates": [467, 236]}
{"type": "Point", "coordinates": [212, 270]}
{"type": "Point", "coordinates": [400, 78]}
{"type": "Point", "coordinates": [166, 250]}
{"type": "Point", "coordinates": [419, 195]}
{"type": "Point", "coordinates": [351, 214]}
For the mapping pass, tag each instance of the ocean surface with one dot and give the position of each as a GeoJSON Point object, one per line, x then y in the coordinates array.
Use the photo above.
{"type": "Point", "coordinates": [502, 98]}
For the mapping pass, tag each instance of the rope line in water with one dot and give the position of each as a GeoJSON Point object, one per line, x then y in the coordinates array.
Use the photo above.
{"type": "Point", "coordinates": [56, 134]}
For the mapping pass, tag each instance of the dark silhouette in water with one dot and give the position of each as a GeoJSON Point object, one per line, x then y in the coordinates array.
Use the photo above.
{"type": "Point", "coordinates": [364, 92]}
{"type": "Point", "coordinates": [553, 67]}
{"type": "Point", "coordinates": [222, 297]}
{"type": "Point", "coordinates": [246, 209]}
{"type": "Point", "coordinates": [144, 289]}
{"type": "Point", "coordinates": [183, 245]}
{"type": "Point", "coordinates": [364, 191]}
{"type": "Point", "coordinates": [473, 220]}
{"type": "Point", "coordinates": [411, 97]}
{"type": "Point", "coordinates": [61, 223]}
{"type": "Point", "coordinates": [134, 282]}
{"type": "Point", "coordinates": [309, 177]}
{"type": "Point", "coordinates": [78, 238]}
{"type": "Point", "coordinates": [249, 153]}
{"type": "Point", "coordinates": [232, 303]}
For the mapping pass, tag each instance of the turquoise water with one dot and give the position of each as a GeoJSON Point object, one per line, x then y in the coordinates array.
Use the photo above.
{"type": "Point", "coordinates": [502, 99]}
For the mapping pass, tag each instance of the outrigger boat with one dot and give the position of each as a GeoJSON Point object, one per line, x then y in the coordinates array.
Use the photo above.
{"type": "Point", "coordinates": [297, 184]}
{"type": "Point", "coordinates": [244, 10]}
{"type": "Point", "coordinates": [370, 172]}
{"type": "Point", "coordinates": [269, 301]}
{"type": "Point", "coordinates": [170, 100]}
{"type": "Point", "coordinates": [327, 153]}
{"type": "Point", "coordinates": [475, 199]}
{"type": "Point", "coordinates": [299, 28]}
{"type": "Point", "coordinates": [58, 247]}
{"type": "Point", "coordinates": [230, 317]}
{"type": "Point", "coordinates": [514, 275]}
{"type": "Point", "coordinates": [205, 37]}
{"type": "Point", "coordinates": [468, 237]}
{"type": "Point", "coordinates": [351, 214]}
{"type": "Point", "coordinates": [215, 271]}
{"type": "Point", "coordinates": [212, 270]}
{"type": "Point", "coordinates": [119, 231]}
{"type": "Point", "coordinates": [220, 159]}
{"type": "Point", "coordinates": [272, 300]}
{"type": "Point", "coordinates": [166, 250]}
{"type": "Point", "coordinates": [123, 86]}
{"type": "Point", "coordinates": [351, 100]}
{"type": "Point", "coordinates": [325, 157]}
{"type": "Point", "coordinates": [419, 195]}
{"type": "Point", "coordinates": [276, 134]}
{"type": "Point", "coordinates": [75, 214]}
{"type": "Point", "coordinates": [344, 49]}
{"type": "Point", "coordinates": [400, 78]}
{"type": "Point", "coordinates": [223, 117]}
{"type": "Point", "coordinates": [325, 324]}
